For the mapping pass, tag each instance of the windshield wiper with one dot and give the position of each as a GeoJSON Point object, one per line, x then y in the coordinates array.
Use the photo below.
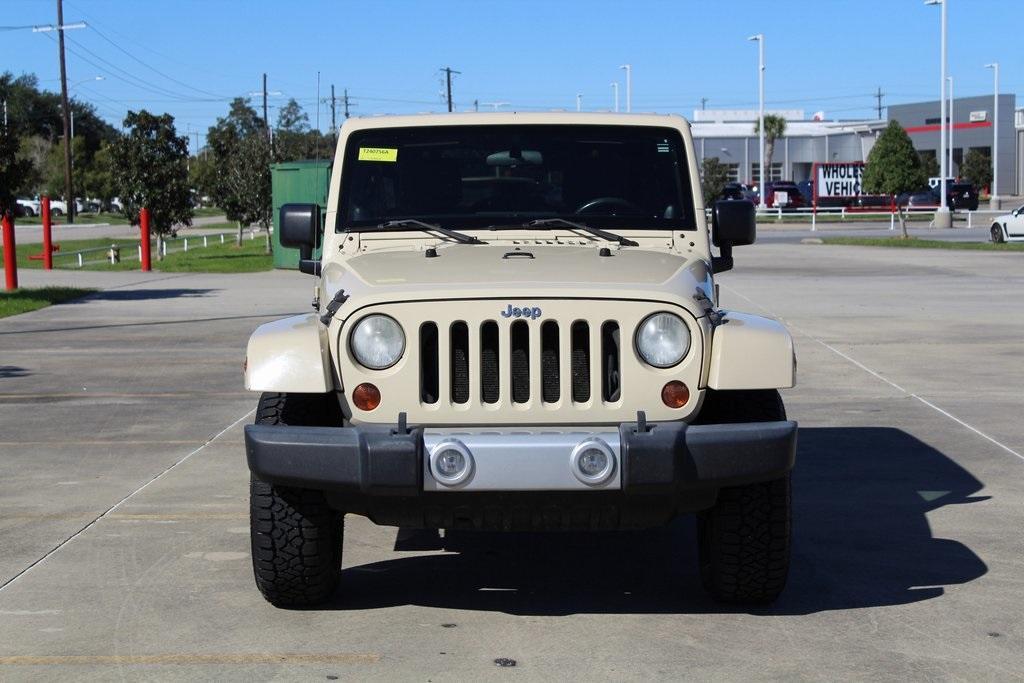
{"type": "Point", "coordinates": [460, 237]}
{"type": "Point", "coordinates": [597, 232]}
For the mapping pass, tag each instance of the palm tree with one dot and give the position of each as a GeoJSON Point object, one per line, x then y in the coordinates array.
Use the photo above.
{"type": "Point", "coordinates": [774, 128]}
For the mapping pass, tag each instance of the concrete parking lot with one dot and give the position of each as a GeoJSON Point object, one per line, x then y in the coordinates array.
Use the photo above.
{"type": "Point", "coordinates": [124, 529]}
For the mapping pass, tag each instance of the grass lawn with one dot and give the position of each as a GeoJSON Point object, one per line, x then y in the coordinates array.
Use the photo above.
{"type": "Point", "coordinates": [216, 258]}
{"type": "Point", "coordinates": [112, 218]}
{"type": "Point", "coordinates": [916, 243]}
{"type": "Point", "coordinates": [25, 300]}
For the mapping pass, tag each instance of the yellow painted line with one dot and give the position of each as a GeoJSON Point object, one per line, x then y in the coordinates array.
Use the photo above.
{"type": "Point", "coordinates": [223, 658]}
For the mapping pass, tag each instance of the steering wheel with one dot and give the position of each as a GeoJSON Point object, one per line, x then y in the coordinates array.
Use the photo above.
{"type": "Point", "coordinates": [592, 206]}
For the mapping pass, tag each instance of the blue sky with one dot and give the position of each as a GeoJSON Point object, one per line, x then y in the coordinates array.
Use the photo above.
{"type": "Point", "coordinates": [189, 57]}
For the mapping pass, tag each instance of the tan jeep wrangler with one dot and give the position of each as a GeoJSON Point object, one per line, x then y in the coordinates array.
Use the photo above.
{"type": "Point", "coordinates": [517, 329]}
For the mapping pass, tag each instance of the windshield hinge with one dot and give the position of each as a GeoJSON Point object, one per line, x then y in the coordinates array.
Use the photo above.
{"type": "Point", "coordinates": [340, 298]}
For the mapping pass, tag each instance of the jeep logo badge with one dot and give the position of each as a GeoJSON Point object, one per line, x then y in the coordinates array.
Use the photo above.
{"type": "Point", "coordinates": [525, 312]}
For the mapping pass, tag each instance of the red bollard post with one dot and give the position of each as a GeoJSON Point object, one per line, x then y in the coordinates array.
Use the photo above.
{"type": "Point", "coordinates": [10, 254]}
{"type": "Point", "coordinates": [144, 238]}
{"type": "Point", "coordinates": [47, 235]}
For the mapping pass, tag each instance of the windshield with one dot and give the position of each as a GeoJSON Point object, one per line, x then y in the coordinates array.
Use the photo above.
{"type": "Point", "coordinates": [502, 176]}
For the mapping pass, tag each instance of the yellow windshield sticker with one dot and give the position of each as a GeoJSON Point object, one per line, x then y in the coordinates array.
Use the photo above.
{"type": "Point", "coordinates": [377, 154]}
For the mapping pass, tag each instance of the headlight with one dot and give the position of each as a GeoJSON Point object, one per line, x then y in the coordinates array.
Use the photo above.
{"type": "Point", "coordinates": [662, 340]}
{"type": "Point", "coordinates": [377, 342]}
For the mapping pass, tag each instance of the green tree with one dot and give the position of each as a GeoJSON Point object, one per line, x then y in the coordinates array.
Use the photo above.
{"type": "Point", "coordinates": [53, 176]}
{"type": "Point", "coordinates": [35, 149]}
{"type": "Point", "coordinates": [12, 169]}
{"type": "Point", "coordinates": [714, 176]}
{"type": "Point", "coordinates": [774, 128]}
{"type": "Point", "coordinates": [150, 170]}
{"type": "Point", "coordinates": [893, 167]}
{"type": "Point", "coordinates": [202, 175]}
{"type": "Point", "coordinates": [98, 178]}
{"type": "Point", "coordinates": [235, 186]}
{"type": "Point", "coordinates": [930, 165]}
{"type": "Point", "coordinates": [977, 168]}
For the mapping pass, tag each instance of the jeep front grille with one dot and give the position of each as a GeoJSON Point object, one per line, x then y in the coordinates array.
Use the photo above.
{"type": "Point", "coordinates": [467, 364]}
{"type": "Point", "coordinates": [516, 342]}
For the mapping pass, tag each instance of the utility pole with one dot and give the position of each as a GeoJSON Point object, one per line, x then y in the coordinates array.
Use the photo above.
{"type": "Point", "coordinates": [69, 197]}
{"type": "Point", "coordinates": [334, 122]}
{"type": "Point", "coordinates": [266, 122]}
{"type": "Point", "coordinates": [448, 74]}
{"type": "Point", "coordinates": [878, 96]}
{"type": "Point", "coordinates": [476, 106]}
{"type": "Point", "coordinates": [346, 102]}
{"type": "Point", "coordinates": [579, 101]}
{"type": "Point", "coordinates": [615, 94]}
{"type": "Point", "coordinates": [703, 103]}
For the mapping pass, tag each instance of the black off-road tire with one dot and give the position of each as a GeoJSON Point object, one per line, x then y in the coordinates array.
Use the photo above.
{"type": "Point", "coordinates": [296, 537]}
{"type": "Point", "coordinates": [744, 540]}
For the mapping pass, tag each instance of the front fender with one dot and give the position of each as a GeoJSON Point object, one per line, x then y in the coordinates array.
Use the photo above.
{"type": "Point", "coordinates": [751, 352]}
{"type": "Point", "coordinates": [289, 355]}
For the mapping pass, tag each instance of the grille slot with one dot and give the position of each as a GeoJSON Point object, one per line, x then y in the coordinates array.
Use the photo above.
{"type": "Point", "coordinates": [549, 362]}
{"type": "Point", "coordinates": [520, 349]}
{"type": "Point", "coordinates": [429, 380]}
{"type": "Point", "coordinates": [490, 377]}
{"type": "Point", "coordinates": [580, 361]}
{"type": "Point", "coordinates": [460, 362]}
{"type": "Point", "coordinates": [611, 375]}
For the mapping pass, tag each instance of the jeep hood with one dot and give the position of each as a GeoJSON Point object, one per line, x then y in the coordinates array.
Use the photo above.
{"type": "Point", "coordinates": [497, 271]}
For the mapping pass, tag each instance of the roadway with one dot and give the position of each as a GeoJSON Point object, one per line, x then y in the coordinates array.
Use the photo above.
{"type": "Point", "coordinates": [123, 502]}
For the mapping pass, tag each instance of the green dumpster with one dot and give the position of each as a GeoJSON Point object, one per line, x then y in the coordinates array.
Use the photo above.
{"type": "Point", "coordinates": [297, 182]}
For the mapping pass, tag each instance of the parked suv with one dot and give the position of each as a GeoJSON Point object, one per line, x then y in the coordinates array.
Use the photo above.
{"type": "Point", "coordinates": [783, 194]}
{"type": "Point", "coordinates": [517, 327]}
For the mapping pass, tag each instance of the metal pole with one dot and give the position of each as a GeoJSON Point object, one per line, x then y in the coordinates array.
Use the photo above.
{"type": "Point", "coordinates": [579, 101]}
{"type": "Point", "coordinates": [994, 193]}
{"type": "Point", "coordinates": [952, 119]}
{"type": "Point", "coordinates": [44, 206]}
{"type": "Point", "coordinates": [760, 118]}
{"type": "Point", "coordinates": [629, 86]}
{"type": "Point", "coordinates": [69, 196]}
{"type": "Point", "coordinates": [615, 90]}
{"type": "Point", "coordinates": [10, 252]}
{"type": "Point", "coordinates": [144, 240]}
{"type": "Point", "coordinates": [942, 217]}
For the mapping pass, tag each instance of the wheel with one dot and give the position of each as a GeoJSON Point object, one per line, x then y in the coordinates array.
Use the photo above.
{"type": "Point", "coordinates": [744, 540]}
{"type": "Point", "coordinates": [997, 234]}
{"type": "Point", "coordinates": [296, 536]}
{"type": "Point", "coordinates": [56, 212]}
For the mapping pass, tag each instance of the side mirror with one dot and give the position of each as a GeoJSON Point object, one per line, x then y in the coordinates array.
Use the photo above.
{"type": "Point", "coordinates": [300, 226]}
{"type": "Point", "coordinates": [733, 224]}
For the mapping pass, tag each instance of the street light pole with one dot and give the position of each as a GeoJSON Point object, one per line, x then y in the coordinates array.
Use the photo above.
{"type": "Point", "coordinates": [952, 119]}
{"type": "Point", "coordinates": [629, 86]}
{"type": "Point", "coordinates": [995, 137]}
{"type": "Point", "coordinates": [943, 219]}
{"type": "Point", "coordinates": [579, 101]}
{"type": "Point", "coordinates": [760, 117]}
{"type": "Point", "coordinates": [615, 89]}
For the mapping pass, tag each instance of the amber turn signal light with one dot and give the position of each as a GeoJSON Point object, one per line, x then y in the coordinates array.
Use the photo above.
{"type": "Point", "coordinates": [366, 396]}
{"type": "Point", "coordinates": [675, 394]}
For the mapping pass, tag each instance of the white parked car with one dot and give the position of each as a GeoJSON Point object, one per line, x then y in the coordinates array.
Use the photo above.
{"type": "Point", "coordinates": [31, 206]}
{"type": "Point", "coordinates": [1009, 227]}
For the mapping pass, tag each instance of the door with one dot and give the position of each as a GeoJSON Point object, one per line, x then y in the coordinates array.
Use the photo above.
{"type": "Point", "coordinates": [1015, 223]}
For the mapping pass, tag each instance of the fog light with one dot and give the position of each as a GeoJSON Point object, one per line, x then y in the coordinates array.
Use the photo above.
{"type": "Point", "coordinates": [675, 394]}
{"type": "Point", "coordinates": [592, 462]}
{"type": "Point", "coordinates": [451, 462]}
{"type": "Point", "coordinates": [366, 396]}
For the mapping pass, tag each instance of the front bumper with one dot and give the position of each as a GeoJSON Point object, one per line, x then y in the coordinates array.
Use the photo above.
{"type": "Point", "coordinates": [661, 469]}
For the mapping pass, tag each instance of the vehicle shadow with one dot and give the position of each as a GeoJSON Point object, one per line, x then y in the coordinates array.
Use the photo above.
{"type": "Point", "coordinates": [145, 294]}
{"type": "Point", "coordinates": [861, 539]}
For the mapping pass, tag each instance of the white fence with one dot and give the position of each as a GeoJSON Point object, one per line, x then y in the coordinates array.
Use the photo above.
{"type": "Point", "coordinates": [115, 252]}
